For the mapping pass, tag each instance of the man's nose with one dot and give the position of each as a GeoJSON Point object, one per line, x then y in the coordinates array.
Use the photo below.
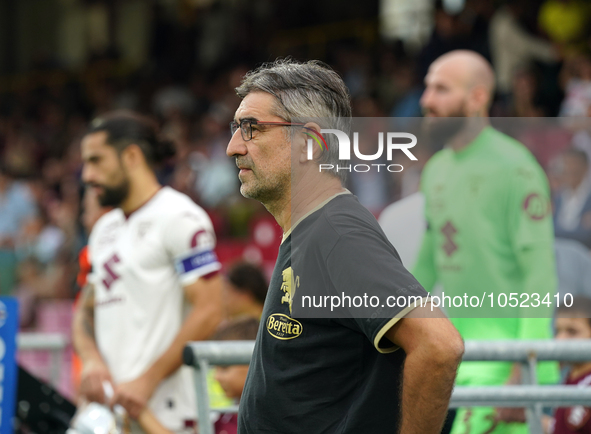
{"type": "Point", "coordinates": [236, 146]}
{"type": "Point", "coordinates": [426, 99]}
{"type": "Point", "coordinates": [87, 174]}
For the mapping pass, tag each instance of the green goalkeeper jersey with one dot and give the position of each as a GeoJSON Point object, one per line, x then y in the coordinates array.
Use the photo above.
{"type": "Point", "coordinates": [490, 235]}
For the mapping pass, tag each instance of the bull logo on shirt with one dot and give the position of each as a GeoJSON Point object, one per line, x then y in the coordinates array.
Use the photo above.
{"type": "Point", "coordinates": [449, 231]}
{"type": "Point", "coordinates": [289, 286]}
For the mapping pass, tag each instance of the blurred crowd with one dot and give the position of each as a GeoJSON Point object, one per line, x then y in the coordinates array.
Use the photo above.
{"type": "Point", "coordinates": [540, 50]}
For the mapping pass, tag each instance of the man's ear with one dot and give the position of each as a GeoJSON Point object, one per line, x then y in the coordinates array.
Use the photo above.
{"type": "Point", "coordinates": [132, 157]}
{"type": "Point", "coordinates": [314, 143]}
{"type": "Point", "coordinates": [478, 101]}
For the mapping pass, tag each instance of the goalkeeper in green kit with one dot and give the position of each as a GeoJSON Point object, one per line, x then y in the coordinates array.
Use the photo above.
{"type": "Point", "coordinates": [489, 230]}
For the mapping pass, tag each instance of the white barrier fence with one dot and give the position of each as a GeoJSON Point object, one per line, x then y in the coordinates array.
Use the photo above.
{"type": "Point", "coordinates": [202, 355]}
{"type": "Point", "coordinates": [55, 343]}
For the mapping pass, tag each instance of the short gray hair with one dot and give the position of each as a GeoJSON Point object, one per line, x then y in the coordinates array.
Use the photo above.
{"type": "Point", "coordinates": [309, 90]}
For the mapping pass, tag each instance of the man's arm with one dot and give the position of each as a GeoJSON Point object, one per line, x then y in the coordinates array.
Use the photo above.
{"type": "Point", "coordinates": [205, 296]}
{"type": "Point", "coordinates": [529, 223]}
{"type": "Point", "coordinates": [94, 369]}
{"type": "Point", "coordinates": [433, 350]}
{"type": "Point", "coordinates": [539, 269]}
{"type": "Point", "coordinates": [150, 424]}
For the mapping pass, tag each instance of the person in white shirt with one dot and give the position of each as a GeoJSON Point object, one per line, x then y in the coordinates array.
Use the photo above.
{"type": "Point", "coordinates": [572, 206]}
{"type": "Point", "coordinates": [154, 283]}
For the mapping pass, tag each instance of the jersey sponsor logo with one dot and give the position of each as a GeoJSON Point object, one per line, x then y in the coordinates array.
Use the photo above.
{"type": "Point", "coordinates": [289, 285]}
{"type": "Point", "coordinates": [196, 261]}
{"type": "Point", "coordinates": [449, 246]}
{"type": "Point", "coordinates": [109, 301]}
{"type": "Point", "coordinates": [283, 327]}
{"type": "Point", "coordinates": [536, 206]}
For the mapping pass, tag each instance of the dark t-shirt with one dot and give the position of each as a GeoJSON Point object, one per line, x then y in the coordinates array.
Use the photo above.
{"type": "Point", "coordinates": [329, 374]}
{"type": "Point", "coordinates": [575, 419]}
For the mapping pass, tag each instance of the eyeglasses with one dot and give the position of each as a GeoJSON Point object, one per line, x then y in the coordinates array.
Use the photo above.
{"type": "Point", "coordinates": [245, 126]}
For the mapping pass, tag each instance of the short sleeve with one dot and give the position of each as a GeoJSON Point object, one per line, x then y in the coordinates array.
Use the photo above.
{"type": "Point", "coordinates": [364, 264]}
{"type": "Point", "coordinates": [190, 240]}
{"type": "Point", "coordinates": [529, 209]}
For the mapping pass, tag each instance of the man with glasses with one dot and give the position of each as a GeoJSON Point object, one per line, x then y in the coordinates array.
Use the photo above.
{"type": "Point", "coordinates": [320, 373]}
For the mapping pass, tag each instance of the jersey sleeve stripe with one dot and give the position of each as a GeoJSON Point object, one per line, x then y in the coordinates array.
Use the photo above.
{"type": "Point", "coordinates": [196, 261]}
{"type": "Point", "coordinates": [193, 276]}
{"type": "Point", "coordinates": [380, 335]}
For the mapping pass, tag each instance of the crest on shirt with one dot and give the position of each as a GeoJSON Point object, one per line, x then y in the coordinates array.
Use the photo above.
{"type": "Point", "coordinates": [289, 285]}
{"type": "Point", "coordinates": [536, 206]}
{"type": "Point", "coordinates": [577, 417]}
{"type": "Point", "coordinates": [143, 228]}
{"type": "Point", "coordinates": [202, 238]}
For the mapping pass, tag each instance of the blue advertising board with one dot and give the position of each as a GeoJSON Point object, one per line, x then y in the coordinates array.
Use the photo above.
{"type": "Point", "coordinates": [8, 368]}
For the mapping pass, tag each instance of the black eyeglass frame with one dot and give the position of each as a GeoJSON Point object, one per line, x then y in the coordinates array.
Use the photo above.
{"type": "Point", "coordinates": [234, 126]}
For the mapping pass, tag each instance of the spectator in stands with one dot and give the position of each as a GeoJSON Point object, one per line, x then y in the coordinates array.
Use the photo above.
{"type": "Point", "coordinates": [40, 239]}
{"type": "Point", "coordinates": [573, 267]}
{"type": "Point", "coordinates": [245, 291]}
{"type": "Point", "coordinates": [513, 47]}
{"type": "Point", "coordinates": [576, 80]}
{"type": "Point", "coordinates": [26, 291]}
{"type": "Point", "coordinates": [573, 323]}
{"type": "Point", "coordinates": [524, 98]}
{"type": "Point", "coordinates": [455, 28]}
{"type": "Point", "coordinates": [572, 206]}
{"type": "Point", "coordinates": [16, 206]}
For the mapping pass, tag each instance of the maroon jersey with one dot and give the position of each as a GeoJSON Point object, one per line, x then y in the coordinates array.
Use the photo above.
{"type": "Point", "coordinates": [227, 424]}
{"type": "Point", "coordinates": [575, 419]}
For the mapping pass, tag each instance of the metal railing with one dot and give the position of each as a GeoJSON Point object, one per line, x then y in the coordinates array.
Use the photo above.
{"type": "Point", "coordinates": [202, 355]}
{"type": "Point", "coordinates": [55, 343]}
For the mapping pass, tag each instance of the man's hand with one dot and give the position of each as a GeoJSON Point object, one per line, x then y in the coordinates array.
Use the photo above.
{"type": "Point", "coordinates": [205, 296]}
{"type": "Point", "coordinates": [134, 395]}
{"type": "Point", "coordinates": [509, 415]}
{"type": "Point", "coordinates": [94, 373]}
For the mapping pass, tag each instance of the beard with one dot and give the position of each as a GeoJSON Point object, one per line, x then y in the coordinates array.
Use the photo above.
{"type": "Point", "coordinates": [439, 130]}
{"type": "Point", "coordinates": [265, 189]}
{"type": "Point", "coordinates": [113, 195]}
